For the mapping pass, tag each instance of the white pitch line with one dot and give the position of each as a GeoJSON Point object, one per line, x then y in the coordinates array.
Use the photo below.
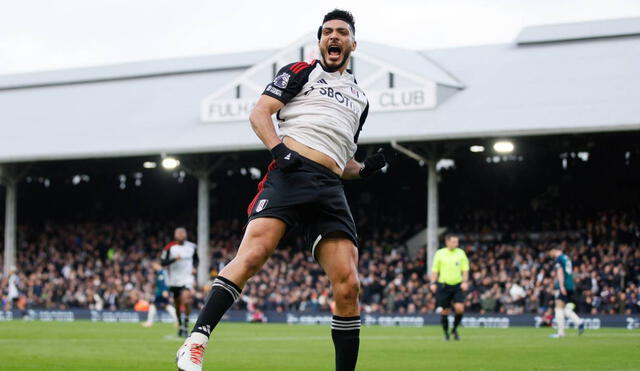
{"type": "Point", "coordinates": [383, 337]}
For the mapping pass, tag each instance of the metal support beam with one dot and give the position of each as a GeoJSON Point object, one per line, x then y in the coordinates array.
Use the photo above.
{"type": "Point", "coordinates": [432, 213]}
{"type": "Point", "coordinates": [409, 153]}
{"type": "Point", "coordinates": [201, 168]}
{"type": "Point", "coordinates": [10, 177]}
{"type": "Point", "coordinates": [10, 225]}
{"type": "Point", "coordinates": [204, 264]}
{"type": "Point", "coordinates": [432, 197]}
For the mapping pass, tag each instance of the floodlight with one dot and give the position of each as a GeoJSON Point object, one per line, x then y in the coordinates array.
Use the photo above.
{"type": "Point", "coordinates": [170, 163]}
{"type": "Point", "coordinates": [503, 146]}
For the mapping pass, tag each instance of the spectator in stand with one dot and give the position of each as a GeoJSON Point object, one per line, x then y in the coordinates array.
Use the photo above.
{"type": "Point", "coordinates": [104, 265]}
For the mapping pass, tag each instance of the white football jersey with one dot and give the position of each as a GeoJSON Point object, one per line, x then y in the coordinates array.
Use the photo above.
{"type": "Point", "coordinates": [180, 271]}
{"type": "Point", "coordinates": [322, 110]}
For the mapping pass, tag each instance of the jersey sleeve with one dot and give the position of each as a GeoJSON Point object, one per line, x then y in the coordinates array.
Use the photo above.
{"type": "Point", "coordinates": [558, 264]}
{"type": "Point", "coordinates": [165, 257]}
{"type": "Point", "coordinates": [436, 262]}
{"type": "Point", "coordinates": [465, 262]}
{"type": "Point", "coordinates": [195, 258]}
{"type": "Point", "coordinates": [363, 118]}
{"type": "Point", "coordinates": [288, 82]}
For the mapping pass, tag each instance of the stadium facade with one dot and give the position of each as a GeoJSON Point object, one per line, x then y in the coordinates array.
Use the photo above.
{"type": "Point", "coordinates": [553, 79]}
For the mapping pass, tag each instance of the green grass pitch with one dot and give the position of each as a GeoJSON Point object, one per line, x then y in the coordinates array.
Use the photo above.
{"type": "Point", "coordinates": [122, 346]}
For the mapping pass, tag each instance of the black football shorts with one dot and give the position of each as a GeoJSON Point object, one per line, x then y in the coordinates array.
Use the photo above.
{"type": "Point", "coordinates": [565, 298]}
{"type": "Point", "coordinates": [310, 198]}
{"type": "Point", "coordinates": [176, 291]}
{"type": "Point", "coordinates": [449, 294]}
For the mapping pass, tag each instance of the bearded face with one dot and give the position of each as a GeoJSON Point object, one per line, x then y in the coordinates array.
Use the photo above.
{"type": "Point", "coordinates": [336, 44]}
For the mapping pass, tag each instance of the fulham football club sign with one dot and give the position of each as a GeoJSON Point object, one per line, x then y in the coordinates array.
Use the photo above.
{"type": "Point", "coordinates": [387, 87]}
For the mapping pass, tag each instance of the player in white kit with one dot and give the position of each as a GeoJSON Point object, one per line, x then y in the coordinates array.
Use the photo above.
{"type": "Point", "coordinates": [320, 110]}
{"type": "Point", "coordinates": [180, 257]}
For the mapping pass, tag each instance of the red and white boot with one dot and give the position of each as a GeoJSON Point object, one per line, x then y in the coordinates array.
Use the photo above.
{"type": "Point", "coordinates": [191, 353]}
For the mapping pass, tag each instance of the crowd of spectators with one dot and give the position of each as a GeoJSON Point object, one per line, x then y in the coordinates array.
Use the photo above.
{"type": "Point", "coordinates": [107, 266]}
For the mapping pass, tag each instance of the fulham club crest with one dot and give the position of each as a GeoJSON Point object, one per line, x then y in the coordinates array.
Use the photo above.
{"type": "Point", "coordinates": [261, 205]}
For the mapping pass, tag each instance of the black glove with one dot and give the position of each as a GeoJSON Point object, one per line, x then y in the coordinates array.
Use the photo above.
{"type": "Point", "coordinates": [285, 158]}
{"type": "Point", "coordinates": [373, 164]}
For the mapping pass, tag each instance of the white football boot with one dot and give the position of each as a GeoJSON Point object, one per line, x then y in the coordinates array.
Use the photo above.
{"type": "Point", "coordinates": [191, 353]}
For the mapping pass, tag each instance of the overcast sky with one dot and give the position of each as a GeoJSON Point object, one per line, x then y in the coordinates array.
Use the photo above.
{"type": "Point", "coordinates": [43, 35]}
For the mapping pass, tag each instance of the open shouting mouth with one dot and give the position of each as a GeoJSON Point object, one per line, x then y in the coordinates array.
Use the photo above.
{"type": "Point", "coordinates": [334, 53]}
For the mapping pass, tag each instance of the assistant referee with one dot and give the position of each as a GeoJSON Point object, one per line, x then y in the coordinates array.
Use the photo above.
{"type": "Point", "coordinates": [451, 272]}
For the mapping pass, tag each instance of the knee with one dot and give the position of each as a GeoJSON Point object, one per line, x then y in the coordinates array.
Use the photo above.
{"type": "Point", "coordinates": [253, 260]}
{"type": "Point", "coordinates": [347, 288]}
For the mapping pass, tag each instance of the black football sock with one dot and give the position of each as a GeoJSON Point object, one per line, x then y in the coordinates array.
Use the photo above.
{"type": "Point", "coordinates": [444, 320]}
{"type": "Point", "coordinates": [179, 316]}
{"type": "Point", "coordinates": [456, 321]}
{"type": "Point", "coordinates": [185, 323]}
{"type": "Point", "coordinates": [345, 332]}
{"type": "Point", "coordinates": [223, 294]}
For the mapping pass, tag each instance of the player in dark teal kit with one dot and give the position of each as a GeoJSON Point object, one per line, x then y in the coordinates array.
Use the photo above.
{"type": "Point", "coordinates": [564, 287]}
{"type": "Point", "coordinates": [161, 296]}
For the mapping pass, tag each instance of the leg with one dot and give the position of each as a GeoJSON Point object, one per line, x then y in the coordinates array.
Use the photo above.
{"type": "Point", "coordinates": [569, 313]}
{"type": "Point", "coordinates": [458, 307]}
{"type": "Point", "coordinates": [560, 316]}
{"type": "Point", "coordinates": [443, 301]}
{"type": "Point", "coordinates": [150, 316]}
{"type": "Point", "coordinates": [172, 312]}
{"type": "Point", "coordinates": [177, 300]}
{"type": "Point", "coordinates": [459, 311]}
{"type": "Point", "coordinates": [444, 321]}
{"type": "Point", "coordinates": [338, 257]}
{"type": "Point", "coordinates": [260, 240]}
{"type": "Point", "coordinates": [185, 299]}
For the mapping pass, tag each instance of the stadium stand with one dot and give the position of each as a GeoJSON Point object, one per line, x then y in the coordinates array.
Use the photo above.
{"type": "Point", "coordinates": [106, 265]}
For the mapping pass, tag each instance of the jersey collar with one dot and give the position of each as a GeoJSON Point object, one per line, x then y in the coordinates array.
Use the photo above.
{"type": "Point", "coordinates": [346, 73]}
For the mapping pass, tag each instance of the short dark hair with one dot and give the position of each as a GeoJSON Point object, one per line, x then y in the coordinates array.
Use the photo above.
{"type": "Point", "coordinates": [343, 15]}
{"type": "Point", "coordinates": [449, 236]}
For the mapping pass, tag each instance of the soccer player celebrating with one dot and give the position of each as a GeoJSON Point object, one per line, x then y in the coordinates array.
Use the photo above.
{"type": "Point", "coordinates": [564, 286]}
{"type": "Point", "coordinates": [451, 270]}
{"type": "Point", "coordinates": [161, 296]}
{"type": "Point", "coordinates": [321, 111]}
{"type": "Point", "coordinates": [181, 257]}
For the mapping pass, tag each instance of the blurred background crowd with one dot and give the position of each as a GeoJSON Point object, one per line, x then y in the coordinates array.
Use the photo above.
{"type": "Point", "coordinates": [107, 266]}
{"type": "Point", "coordinates": [91, 244]}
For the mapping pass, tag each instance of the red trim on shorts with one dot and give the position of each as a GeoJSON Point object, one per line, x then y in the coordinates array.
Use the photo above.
{"type": "Point", "coordinates": [272, 166]}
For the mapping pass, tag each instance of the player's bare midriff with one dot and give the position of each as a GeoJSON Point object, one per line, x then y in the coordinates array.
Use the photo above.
{"type": "Point", "coordinates": [313, 155]}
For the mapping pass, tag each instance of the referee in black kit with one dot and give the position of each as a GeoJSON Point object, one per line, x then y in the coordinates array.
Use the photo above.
{"type": "Point", "coordinates": [321, 111]}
